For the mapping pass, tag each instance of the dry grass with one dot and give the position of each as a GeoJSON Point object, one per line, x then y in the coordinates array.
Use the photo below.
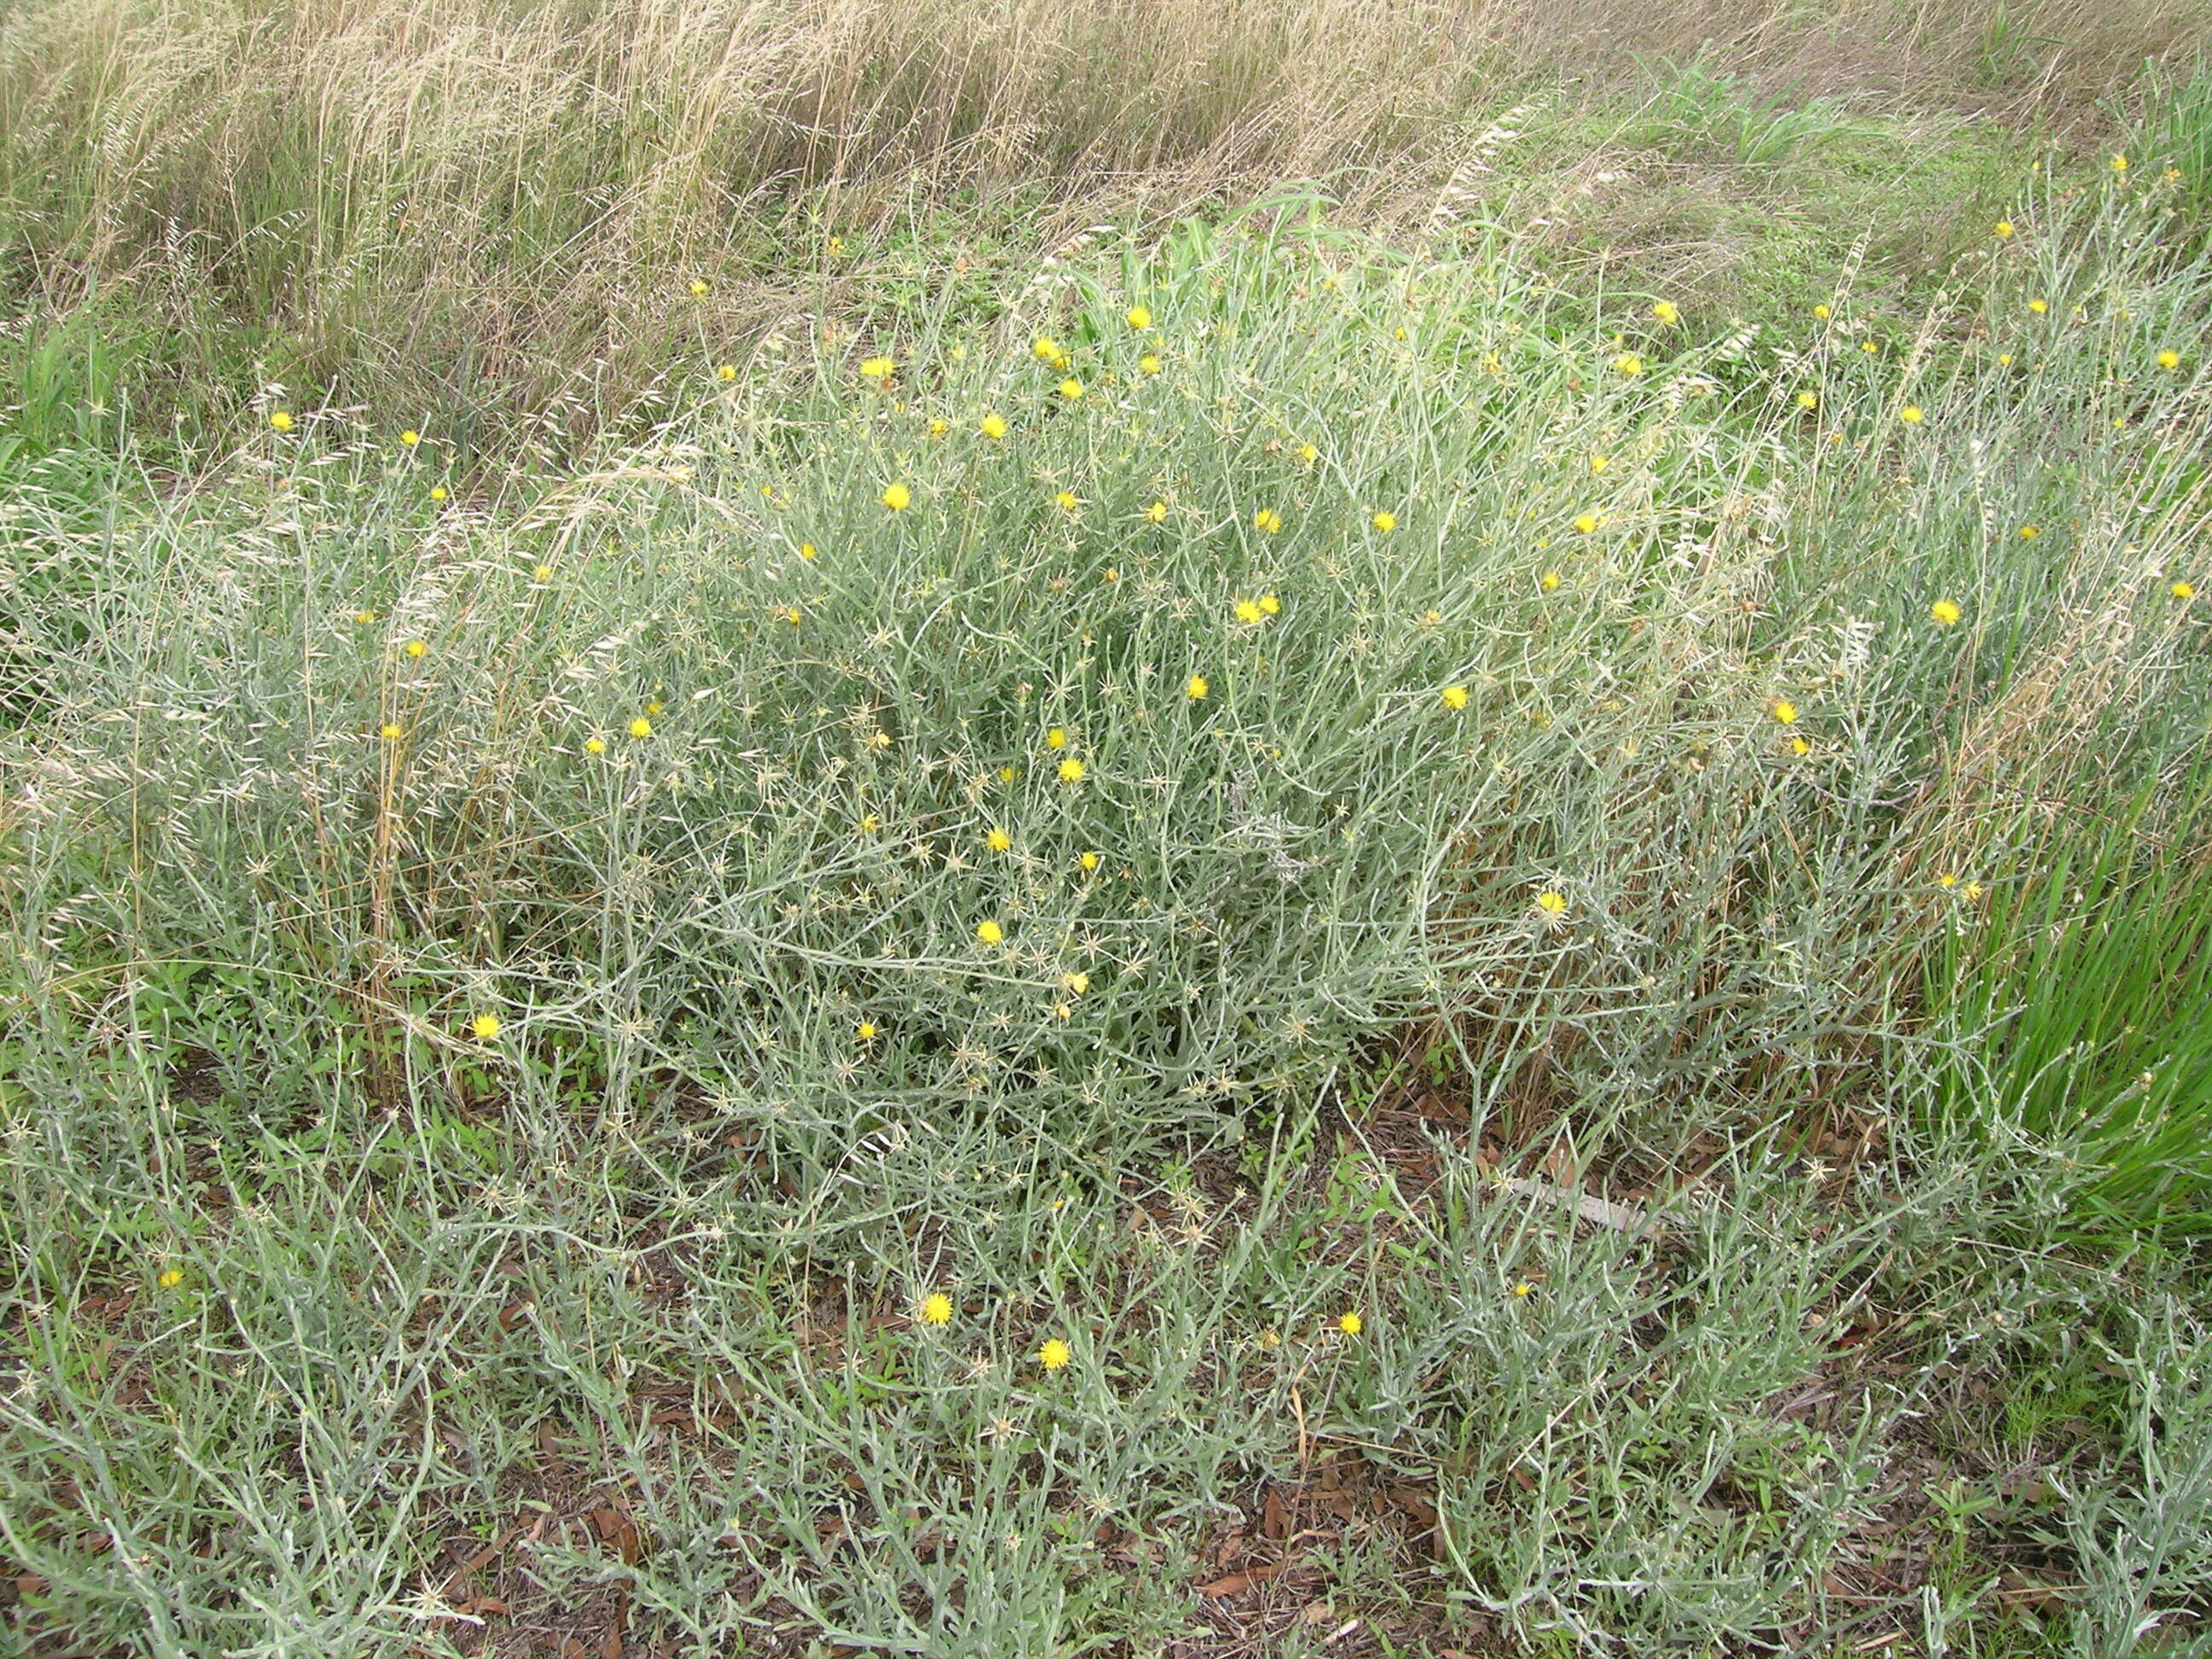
{"type": "Point", "coordinates": [456, 202]}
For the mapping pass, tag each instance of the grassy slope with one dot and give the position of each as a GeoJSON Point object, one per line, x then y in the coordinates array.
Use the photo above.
{"type": "Point", "coordinates": [336, 1324]}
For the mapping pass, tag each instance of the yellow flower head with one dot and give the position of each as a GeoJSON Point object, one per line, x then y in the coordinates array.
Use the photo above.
{"type": "Point", "coordinates": [409, 437]}
{"type": "Point", "coordinates": [1195, 688]}
{"type": "Point", "coordinates": [1808, 400]}
{"type": "Point", "coordinates": [1665, 311]}
{"type": "Point", "coordinates": [1799, 746]}
{"type": "Point", "coordinates": [1946, 612]}
{"type": "Point", "coordinates": [993, 428]}
{"type": "Point", "coordinates": [990, 933]}
{"type": "Point", "coordinates": [2169, 359]}
{"type": "Point", "coordinates": [595, 745]}
{"type": "Point", "coordinates": [363, 618]}
{"type": "Point", "coordinates": [1629, 363]}
{"type": "Point", "coordinates": [486, 1026]}
{"type": "Point", "coordinates": [1247, 611]}
{"type": "Point", "coordinates": [1148, 364]}
{"type": "Point", "coordinates": [2119, 163]}
{"type": "Point", "coordinates": [1551, 904]}
{"type": "Point", "coordinates": [641, 727]}
{"type": "Point", "coordinates": [2039, 307]}
{"type": "Point", "coordinates": [1047, 350]}
{"type": "Point", "coordinates": [282, 420]}
{"type": "Point", "coordinates": [998, 840]}
{"type": "Point", "coordinates": [1785, 711]}
{"type": "Point", "coordinates": [938, 426]}
{"type": "Point", "coordinates": [1157, 513]}
{"type": "Point", "coordinates": [1351, 1323]}
{"type": "Point", "coordinates": [866, 1031]}
{"type": "Point", "coordinates": [1588, 524]}
{"type": "Point", "coordinates": [698, 287]}
{"type": "Point", "coordinates": [1599, 463]}
{"type": "Point", "coordinates": [1076, 983]}
{"type": "Point", "coordinates": [1139, 318]}
{"type": "Point", "coordinates": [1550, 583]}
{"type": "Point", "coordinates": [1911, 415]}
{"type": "Point", "coordinates": [727, 372]}
{"type": "Point", "coordinates": [1089, 861]}
{"type": "Point", "coordinates": [808, 551]}
{"type": "Point", "coordinates": [389, 731]}
{"type": "Point", "coordinates": [1056, 737]}
{"type": "Point", "coordinates": [2005, 228]}
{"type": "Point", "coordinates": [437, 492]}
{"type": "Point", "coordinates": [171, 1278]}
{"type": "Point", "coordinates": [1005, 774]}
{"type": "Point", "coordinates": [1455, 697]}
{"type": "Point", "coordinates": [2028, 533]}
{"type": "Point", "coordinates": [2182, 591]}
{"type": "Point", "coordinates": [897, 497]}
{"type": "Point", "coordinates": [1066, 501]}
{"type": "Point", "coordinates": [1268, 520]}
{"type": "Point", "coordinates": [543, 573]}
{"type": "Point", "coordinates": [878, 369]}
{"type": "Point", "coordinates": [1054, 1355]}
{"type": "Point", "coordinates": [1386, 522]}
{"type": "Point", "coordinates": [416, 649]}
{"type": "Point", "coordinates": [1070, 770]}
{"type": "Point", "coordinates": [937, 1308]}
{"type": "Point", "coordinates": [1269, 604]}
{"type": "Point", "coordinates": [1071, 388]}
{"type": "Point", "coordinates": [1821, 313]}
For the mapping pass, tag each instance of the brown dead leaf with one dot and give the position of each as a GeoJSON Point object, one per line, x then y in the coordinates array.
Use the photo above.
{"type": "Point", "coordinates": [1237, 1583]}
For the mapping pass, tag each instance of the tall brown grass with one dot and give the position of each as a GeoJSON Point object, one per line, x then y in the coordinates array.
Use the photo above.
{"type": "Point", "coordinates": [448, 200]}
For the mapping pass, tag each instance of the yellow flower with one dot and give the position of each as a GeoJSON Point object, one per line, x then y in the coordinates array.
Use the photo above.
{"type": "Point", "coordinates": [998, 840]}
{"type": "Point", "coordinates": [486, 1026]}
{"type": "Point", "coordinates": [1946, 881]}
{"type": "Point", "coordinates": [808, 551]}
{"type": "Point", "coordinates": [2028, 533]}
{"type": "Point", "coordinates": [1551, 904]}
{"type": "Point", "coordinates": [2119, 164]}
{"type": "Point", "coordinates": [870, 823]}
{"type": "Point", "coordinates": [1070, 770]}
{"type": "Point", "coordinates": [698, 287]}
{"type": "Point", "coordinates": [1524, 1290]}
{"type": "Point", "coordinates": [389, 732]}
{"type": "Point", "coordinates": [938, 426]}
{"type": "Point", "coordinates": [543, 573]}
{"type": "Point", "coordinates": [1149, 364]}
{"type": "Point", "coordinates": [1157, 513]}
{"type": "Point", "coordinates": [1629, 363]}
{"type": "Point", "coordinates": [1268, 520]}
{"type": "Point", "coordinates": [1799, 746]}
{"type": "Point", "coordinates": [1911, 415]}
{"type": "Point", "coordinates": [2004, 361]}
{"type": "Point", "coordinates": [990, 933]}
{"type": "Point", "coordinates": [877, 368]}
{"type": "Point", "coordinates": [1071, 388]}
{"type": "Point", "coordinates": [897, 497]}
{"type": "Point", "coordinates": [1550, 583]}
{"type": "Point", "coordinates": [1047, 350]}
{"type": "Point", "coordinates": [1076, 983]}
{"type": "Point", "coordinates": [2039, 307]}
{"type": "Point", "coordinates": [1808, 400]}
{"type": "Point", "coordinates": [1195, 688]}
{"type": "Point", "coordinates": [728, 371]}
{"type": "Point", "coordinates": [1785, 711]}
{"type": "Point", "coordinates": [1054, 1355]}
{"type": "Point", "coordinates": [1089, 861]}
{"type": "Point", "coordinates": [937, 1308]}
{"type": "Point", "coordinates": [2169, 359]}
{"type": "Point", "coordinates": [1066, 501]}
{"type": "Point", "coordinates": [1598, 463]}
{"type": "Point", "coordinates": [437, 492]}
{"type": "Point", "coordinates": [363, 618]}
{"type": "Point", "coordinates": [1056, 737]}
{"type": "Point", "coordinates": [1005, 774]}
{"type": "Point", "coordinates": [1455, 697]}
{"type": "Point", "coordinates": [2004, 227]}
{"type": "Point", "coordinates": [641, 727]}
{"type": "Point", "coordinates": [282, 420]}
{"type": "Point", "coordinates": [1385, 521]}
{"type": "Point", "coordinates": [1139, 318]}
{"type": "Point", "coordinates": [1973, 890]}
{"type": "Point", "coordinates": [1588, 524]}
{"type": "Point", "coordinates": [171, 1278]}
{"type": "Point", "coordinates": [866, 1031]}
{"type": "Point", "coordinates": [1351, 1323]}
{"type": "Point", "coordinates": [409, 437]}
{"type": "Point", "coordinates": [993, 428]}
{"type": "Point", "coordinates": [1665, 311]}
{"type": "Point", "coordinates": [792, 614]}
{"type": "Point", "coordinates": [595, 745]}
{"type": "Point", "coordinates": [1269, 604]}
{"type": "Point", "coordinates": [1821, 313]}
{"type": "Point", "coordinates": [416, 649]}
{"type": "Point", "coordinates": [1869, 346]}
{"type": "Point", "coordinates": [1946, 612]}
{"type": "Point", "coordinates": [653, 707]}
{"type": "Point", "coordinates": [1308, 454]}
{"type": "Point", "coordinates": [2183, 591]}
{"type": "Point", "coordinates": [1247, 611]}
